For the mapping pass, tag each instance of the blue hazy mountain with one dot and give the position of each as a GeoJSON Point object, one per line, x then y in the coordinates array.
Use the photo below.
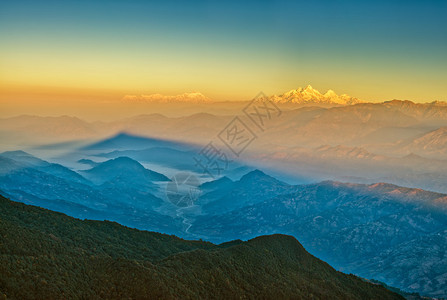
{"type": "Point", "coordinates": [16, 160]}
{"type": "Point", "coordinates": [251, 188]}
{"type": "Point", "coordinates": [88, 162]}
{"type": "Point", "coordinates": [165, 156]}
{"type": "Point", "coordinates": [222, 184]}
{"type": "Point", "coordinates": [387, 228]}
{"type": "Point", "coordinates": [24, 158]}
{"type": "Point", "coordinates": [127, 180]}
{"type": "Point", "coordinates": [124, 168]}
{"type": "Point", "coordinates": [177, 156]}
{"type": "Point", "coordinates": [125, 192]}
{"type": "Point", "coordinates": [418, 264]}
{"type": "Point", "coordinates": [48, 186]}
{"type": "Point", "coordinates": [393, 234]}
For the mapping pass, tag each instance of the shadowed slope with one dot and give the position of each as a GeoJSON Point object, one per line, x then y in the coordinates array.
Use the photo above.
{"type": "Point", "coordinates": [50, 255]}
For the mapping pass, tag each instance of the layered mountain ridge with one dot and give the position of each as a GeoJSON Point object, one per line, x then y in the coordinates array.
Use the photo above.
{"type": "Point", "coordinates": [299, 96]}
{"type": "Point", "coordinates": [54, 256]}
{"type": "Point", "coordinates": [374, 221]}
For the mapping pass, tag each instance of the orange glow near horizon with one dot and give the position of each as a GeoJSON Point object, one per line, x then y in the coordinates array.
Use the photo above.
{"type": "Point", "coordinates": [56, 59]}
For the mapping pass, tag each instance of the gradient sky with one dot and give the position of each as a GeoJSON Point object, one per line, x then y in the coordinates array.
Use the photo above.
{"type": "Point", "coordinates": [228, 50]}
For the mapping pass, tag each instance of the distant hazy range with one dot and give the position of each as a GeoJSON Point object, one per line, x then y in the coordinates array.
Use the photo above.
{"type": "Point", "coordinates": [62, 59]}
{"type": "Point", "coordinates": [333, 171]}
{"type": "Point", "coordinates": [310, 136]}
{"type": "Point", "coordinates": [223, 149]}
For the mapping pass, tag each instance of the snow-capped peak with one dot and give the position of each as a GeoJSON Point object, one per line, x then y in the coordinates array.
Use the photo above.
{"type": "Point", "coordinates": [310, 95]}
{"type": "Point", "coordinates": [330, 94]}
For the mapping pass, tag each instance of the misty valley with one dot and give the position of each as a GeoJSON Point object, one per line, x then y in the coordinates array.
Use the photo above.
{"type": "Point", "coordinates": [281, 149]}
{"type": "Point", "coordinates": [379, 231]}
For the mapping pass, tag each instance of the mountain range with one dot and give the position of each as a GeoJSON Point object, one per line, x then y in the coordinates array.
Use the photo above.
{"type": "Point", "coordinates": [396, 142]}
{"type": "Point", "coordinates": [361, 186]}
{"type": "Point", "coordinates": [395, 233]}
{"type": "Point", "coordinates": [119, 189]}
{"type": "Point", "coordinates": [121, 167]}
{"type": "Point", "coordinates": [381, 231]}
{"type": "Point", "coordinates": [50, 255]}
{"type": "Point", "coordinates": [310, 95]}
{"type": "Point", "coordinates": [299, 96]}
{"type": "Point", "coordinates": [378, 125]}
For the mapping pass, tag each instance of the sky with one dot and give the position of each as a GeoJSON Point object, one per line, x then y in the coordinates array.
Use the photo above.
{"type": "Point", "coordinates": [98, 51]}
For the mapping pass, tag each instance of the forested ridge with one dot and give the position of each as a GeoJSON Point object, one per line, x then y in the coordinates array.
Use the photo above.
{"type": "Point", "coordinates": [48, 255]}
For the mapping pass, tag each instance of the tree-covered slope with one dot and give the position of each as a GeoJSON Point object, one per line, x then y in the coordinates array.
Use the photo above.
{"type": "Point", "coordinates": [48, 255]}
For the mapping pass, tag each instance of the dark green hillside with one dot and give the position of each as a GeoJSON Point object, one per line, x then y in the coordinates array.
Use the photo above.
{"type": "Point", "coordinates": [48, 255]}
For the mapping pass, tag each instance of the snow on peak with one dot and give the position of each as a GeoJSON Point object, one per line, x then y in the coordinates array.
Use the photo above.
{"type": "Point", "coordinates": [330, 94]}
{"type": "Point", "coordinates": [309, 95]}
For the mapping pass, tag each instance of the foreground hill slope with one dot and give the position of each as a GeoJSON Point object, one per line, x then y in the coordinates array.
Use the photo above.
{"type": "Point", "coordinates": [48, 255]}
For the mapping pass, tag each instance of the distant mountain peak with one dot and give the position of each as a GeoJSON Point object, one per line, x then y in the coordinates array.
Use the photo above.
{"type": "Point", "coordinates": [223, 179]}
{"type": "Point", "coordinates": [16, 153]}
{"type": "Point", "coordinates": [218, 183]}
{"type": "Point", "coordinates": [254, 173]}
{"type": "Point", "coordinates": [24, 157]}
{"type": "Point", "coordinates": [330, 94]}
{"type": "Point", "coordinates": [309, 95]}
{"type": "Point", "coordinates": [256, 176]}
{"type": "Point", "coordinates": [121, 163]}
{"type": "Point", "coordinates": [125, 159]}
{"type": "Point", "coordinates": [122, 167]}
{"type": "Point", "coordinates": [194, 97]}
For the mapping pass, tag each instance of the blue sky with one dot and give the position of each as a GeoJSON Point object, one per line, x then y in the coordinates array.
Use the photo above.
{"type": "Point", "coordinates": [375, 50]}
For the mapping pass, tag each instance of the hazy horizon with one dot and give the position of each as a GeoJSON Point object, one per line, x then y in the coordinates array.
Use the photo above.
{"type": "Point", "coordinates": [223, 149]}
{"type": "Point", "coordinates": [93, 110]}
{"type": "Point", "coordinates": [65, 55]}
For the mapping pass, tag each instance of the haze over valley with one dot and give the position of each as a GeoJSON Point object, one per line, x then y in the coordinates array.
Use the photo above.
{"type": "Point", "coordinates": [223, 149]}
{"type": "Point", "coordinates": [368, 177]}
